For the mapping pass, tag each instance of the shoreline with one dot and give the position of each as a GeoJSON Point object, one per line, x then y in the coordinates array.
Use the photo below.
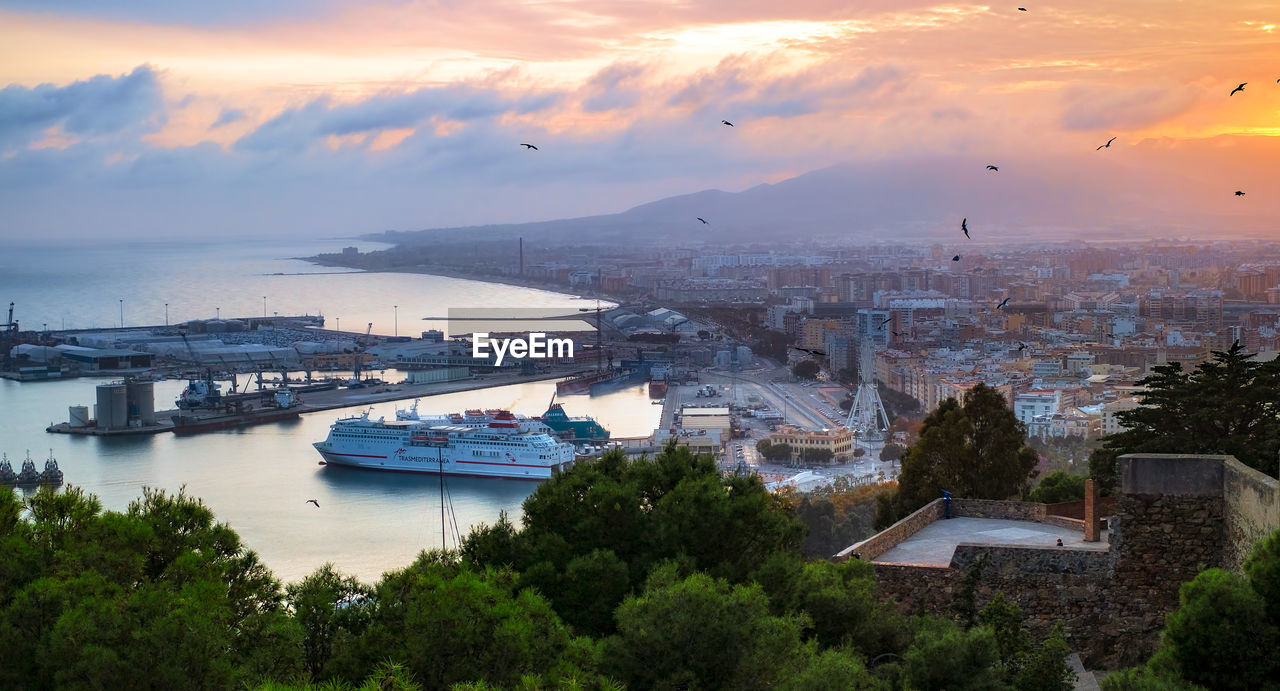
{"type": "Point", "coordinates": [444, 272]}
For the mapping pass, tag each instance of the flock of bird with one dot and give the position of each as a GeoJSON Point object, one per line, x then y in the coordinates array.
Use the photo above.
{"type": "Point", "coordinates": [964, 227]}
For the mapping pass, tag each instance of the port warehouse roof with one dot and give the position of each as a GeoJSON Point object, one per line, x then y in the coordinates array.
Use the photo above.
{"type": "Point", "coordinates": [95, 358]}
{"type": "Point", "coordinates": [705, 418]}
{"type": "Point", "coordinates": [709, 412]}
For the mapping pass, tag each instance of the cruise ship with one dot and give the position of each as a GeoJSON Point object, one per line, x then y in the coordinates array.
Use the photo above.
{"type": "Point", "coordinates": [479, 419]}
{"type": "Point", "coordinates": [554, 422]}
{"type": "Point", "coordinates": [499, 448]}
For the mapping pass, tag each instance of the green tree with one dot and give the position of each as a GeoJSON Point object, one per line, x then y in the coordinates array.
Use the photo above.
{"type": "Point", "coordinates": [1102, 468]}
{"type": "Point", "coordinates": [1220, 635]}
{"type": "Point", "coordinates": [1058, 486]}
{"type": "Point", "coordinates": [701, 632]}
{"type": "Point", "coordinates": [774, 452]}
{"type": "Point", "coordinates": [838, 600]}
{"type": "Point", "coordinates": [1228, 405]}
{"type": "Point", "coordinates": [160, 595]}
{"type": "Point", "coordinates": [896, 403]}
{"type": "Point", "coordinates": [328, 605]}
{"type": "Point", "coordinates": [977, 450]}
{"type": "Point", "coordinates": [806, 369]}
{"type": "Point", "coordinates": [771, 344]}
{"type": "Point", "coordinates": [892, 452]}
{"type": "Point", "coordinates": [448, 624]}
{"type": "Point", "coordinates": [946, 656]}
{"type": "Point", "coordinates": [1027, 666]}
{"type": "Point", "coordinates": [1223, 632]}
{"type": "Point", "coordinates": [612, 513]}
{"type": "Point", "coordinates": [815, 455]}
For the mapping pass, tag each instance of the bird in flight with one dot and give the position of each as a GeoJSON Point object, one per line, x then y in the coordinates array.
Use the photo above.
{"type": "Point", "coordinates": [885, 322]}
{"type": "Point", "coordinates": [1107, 145]}
{"type": "Point", "coordinates": [810, 351]}
{"type": "Point", "coordinates": [955, 258]}
{"type": "Point", "coordinates": [702, 219]}
{"type": "Point", "coordinates": [1003, 303]}
{"type": "Point", "coordinates": [529, 146]}
{"type": "Point", "coordinates": [896, 334]}
{"type": "Point", "coordinates": [1238, 88]}
{"type": "Point", "coordinates": [1022, 9]}
{"type": "Point", "coordinates": [995, 168]}
{"type": "Point", "coordinates": [313, 501]}
{"type": "Point", "coordinates": [964, 225]}
{"type": "Point", "coordinates": [726, 122]}
{"type": "Point", "coordinates": [1021, 346]}
{"type": "Point", "coordinates": [1239, 193]}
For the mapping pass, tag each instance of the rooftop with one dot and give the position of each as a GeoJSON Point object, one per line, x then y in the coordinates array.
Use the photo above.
{"type": "Point", "coordinates": [934, 544]}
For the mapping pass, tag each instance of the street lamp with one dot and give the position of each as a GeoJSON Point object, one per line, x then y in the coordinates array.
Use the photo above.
{"type": "Point", "coordinates": [217, 312]}
{"type": "Point", "coordinates": [395, 309]}
{"type": "Point", "coordinates": [264, 305]}
{"type": "Point", "coordinates": [337, 323]}
{"type": "Point", "coordinates": [122, 313]}
{"type": "Point", "coordinates": [166, 314]}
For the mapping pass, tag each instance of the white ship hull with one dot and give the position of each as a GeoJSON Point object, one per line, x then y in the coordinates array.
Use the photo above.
{"type": "Point", "coordinates": [501, 450]}
{"type": "Point", "coordinates": [428, 463]}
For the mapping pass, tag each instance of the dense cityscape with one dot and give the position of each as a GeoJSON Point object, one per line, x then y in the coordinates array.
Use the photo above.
{"type": "Point", "coordinates": [573, 344]}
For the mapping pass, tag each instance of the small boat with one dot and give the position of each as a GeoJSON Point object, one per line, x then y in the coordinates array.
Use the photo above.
{"type": "Point", "coordinates": [28, 476]}
{"type": "Point", "coordinates": [52, 475]}
{"type": "Point", "coordinates": [7, 476]}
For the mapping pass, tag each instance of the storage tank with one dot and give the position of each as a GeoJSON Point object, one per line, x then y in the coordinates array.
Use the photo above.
{"type": "Point", "coordinates": [142, 401]}
{"type": "Point", "coordinates": [78, 415]}
{"type": "Point", "coordinates": [113, 406]}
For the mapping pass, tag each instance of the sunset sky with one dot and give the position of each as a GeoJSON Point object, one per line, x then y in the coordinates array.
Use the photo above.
{"type": "Point", "coordinates": [337, 118]}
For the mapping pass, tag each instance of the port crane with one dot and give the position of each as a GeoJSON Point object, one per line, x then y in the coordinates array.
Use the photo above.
{"type": "Point", "coordinates": [199, 392]}
{"type": "Point", "coordinates": [8, 337]}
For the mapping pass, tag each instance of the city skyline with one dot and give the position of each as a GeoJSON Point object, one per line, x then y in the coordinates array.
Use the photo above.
{"type": "Point", "coordinates": [340, 119]}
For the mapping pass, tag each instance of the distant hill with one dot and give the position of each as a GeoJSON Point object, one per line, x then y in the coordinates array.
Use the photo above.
{"type": "Point", "coordinates": [1158, 188]}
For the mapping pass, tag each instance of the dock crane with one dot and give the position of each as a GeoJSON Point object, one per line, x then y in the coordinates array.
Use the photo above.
{"type": "Point", "coordinates": [8, 337]}
{"type": "Point", "coordinates": [199, 392]}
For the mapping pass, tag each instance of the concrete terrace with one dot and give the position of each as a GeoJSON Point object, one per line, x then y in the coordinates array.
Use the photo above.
{"type": "Point", "coordinates": [934, 544]}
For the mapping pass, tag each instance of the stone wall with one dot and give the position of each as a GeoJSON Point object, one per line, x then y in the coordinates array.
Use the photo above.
{"type": "Point", "coordinates": [988, 508]}
{"type": "Point", "coordinates": [1005, 558]}
{"type": "Point", "coordinates": [1075, 509]}
{"type": "Point", "coordinates": [1174, 516]}
{"type": "Point", "coordinates": [890, 537]}
{"type": "Point", "coordinates": [1064, 522]}
{"type": "Point", "coordinates": [1252, 510]}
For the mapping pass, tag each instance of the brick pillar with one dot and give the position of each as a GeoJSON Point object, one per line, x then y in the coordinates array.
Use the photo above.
{"type": "Point", "coordinates": [1092, 523]}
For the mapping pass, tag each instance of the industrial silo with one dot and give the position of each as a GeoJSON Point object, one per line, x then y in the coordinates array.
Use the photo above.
{"type": "Point", "coordinates": [78, 415]}
{"type": "Point", "coordinates": [113, 406]}
{"type": "Point", "coordinates": [142, 401]}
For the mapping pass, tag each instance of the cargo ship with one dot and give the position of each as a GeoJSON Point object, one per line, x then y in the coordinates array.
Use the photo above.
{"type": "Point", "coordinates": [284, 406]}
{"type": "Point", "coordinates": [499, 449]}
{"type": "Point", "coordinates": [658, 374]}
{"type": "Point", "coordinates": [594, 382]}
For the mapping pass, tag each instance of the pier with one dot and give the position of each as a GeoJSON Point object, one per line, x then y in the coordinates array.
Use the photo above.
{"type": "Point", "coordinates": [318, 401]}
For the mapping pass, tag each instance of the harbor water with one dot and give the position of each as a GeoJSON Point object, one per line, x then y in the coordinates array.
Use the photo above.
{"type": "Point", "coordinates": [258, 479]}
